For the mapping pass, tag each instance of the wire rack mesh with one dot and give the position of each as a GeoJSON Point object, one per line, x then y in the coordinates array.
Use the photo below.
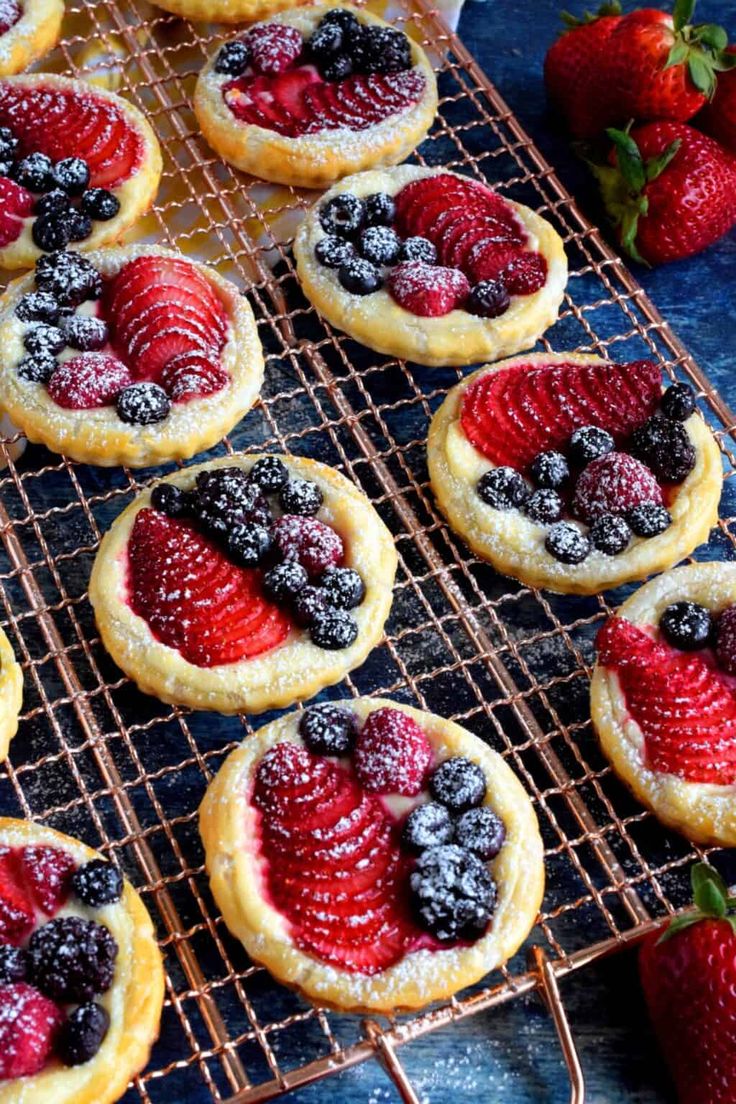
{"type": "Point", "coordinates": [96, 758]}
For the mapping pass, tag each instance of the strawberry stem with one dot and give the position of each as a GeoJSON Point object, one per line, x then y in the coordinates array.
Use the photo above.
{"type": "Point", "coordinates": [609, 7]}
{"type": "Point", "coordinates": [711, 899]}
{"type": "Point", "coordinates": [701, 48]}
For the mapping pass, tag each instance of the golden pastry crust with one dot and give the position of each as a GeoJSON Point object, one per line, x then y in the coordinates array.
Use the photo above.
{"type": "Point", "coordinates": [136, 194]}
{"type": "Point", "coordinates": [133, 1002]}
{"type": "Point", "coordinates": [99, 436]}
{"type": "Point", "coordinates": [11, 694]}
{"type": "Point", "coordinates": [294, 671]}
{"type": "Point", "coordinates": [227, 819]}
{"type": "Point", "coordinates": [225, 11]}
{"type": "Point", "coordinates": [515, 545]}
{"type": "Point", "coordinates": [36, 32]}
{"type": "Point", "coordinates": [316, 160]}
{"type": "Point", "coordinates": [704, 812]}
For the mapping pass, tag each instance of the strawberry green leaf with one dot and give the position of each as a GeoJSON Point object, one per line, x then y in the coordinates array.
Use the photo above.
{"type": "Point", "coordinates": [712, 35]}
{"type": "Point", "coordinates": [709, 890]}
{"type": "Point", "coordinates": [701, 73]}
{"type": "Point", "coordinates": [723, 62]}
{"type": "Point", "coordinates": [677, 54]}
{"type": "Point", "coordinates": [630, 160]}
{"type": "Point", "coordinates": [682, 13]}
{"type": "Point", "coordinates": [656, 165]}
{"type": "Point", "coordinates": [686, 920]}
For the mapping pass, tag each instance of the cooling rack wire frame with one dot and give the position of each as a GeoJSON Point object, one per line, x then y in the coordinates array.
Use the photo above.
{"type": "Point", "coordinates": [98, 759]}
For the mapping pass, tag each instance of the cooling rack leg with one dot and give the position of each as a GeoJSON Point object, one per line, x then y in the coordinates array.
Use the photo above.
{"type": "Point", "coordinates": [385, 1048]}
{"type": "Point", "coordinates": [550, 994]}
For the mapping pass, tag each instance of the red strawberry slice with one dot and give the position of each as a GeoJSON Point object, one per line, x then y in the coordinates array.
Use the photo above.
{"type": "Point", "coordinates": [467, 231]}
{"type": "Point", "coordinates": [435, 193]}
{"type": "Point", "coordinates": [47, 873]}
{"type": "Point", "coordinates": [192, 375]}
{"type": "Point", "coordinates": [16, 204]}
{"type": "Point", "coordinates": [683, 706]}
{"type": "Point", "coordinates": [525, 274]}
{"type": "Point", "coordinates": [613, 484]}
{"type": "Point", "coordinates": [29, 1023]}
{"type": "Point", "coordinates": [88, 381]}
{"type": "Point", "coordinates": [550, 401]}
{"type": "Point", "coordinates": [427, 290]}
{"type": "Point", "coordinates": [273, 47]}
{"type": "Point", "coordinates": [17, 916]}
{"type": "Point", "coordinates": [131, 312]}
{"type": "Point", "coordinates": [489, 260]}
{"type": "Point", "coordinates": [193, 599]}
{"type": "Point", "coordinates": [10, 13]}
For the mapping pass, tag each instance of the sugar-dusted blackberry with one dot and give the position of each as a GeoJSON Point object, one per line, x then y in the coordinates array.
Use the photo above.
{"type": "Point", "coordinates": [44, 339]}
{"type": "Point", "coordinates": [171, 500]}
{"type": "Point", "coordinates": [481, 831]}
{"type": "Point", "coordinates": [13, 964]}
{"type": "Point", "coordinates": [333, 629]}
{"type": "Point", "coordinates": [726, 639]}
{"type": "Point", "coordinates": [308, 604]}
{"type": "Point", "coordinates": [610, 533]}
{"type": "Point", "coordinates": [664, 446]}
{"type": "Point", "coordinates": [284, 581]}
{"type": "Point", "coordinates": [549, 469]}
{"type": "Point", "coordinates": [53, 203]}
{"type": "Point", "coordinates": [143, 403]}
{"type": "Point", "coordinates": [100, 204]}
{"type": "Point", "coordinates": [418, 249]}
{"type": "Point", "coordinates": [343, 587]}
{"type": "Point", "coordinates": [84, 332]}
{"type": "Point", "coordinates": [649, 520]}
{"type": "Point", "coordinates": [37, 367]}
{"type": "Point", "coordinates": [38, 306]}
{"type": "Point", "coordinates": [329, 729]}
{"type": "Point", "coordinates": [334, 252]}
{"type": "Point", "coordinates": [71, 174]}
{"type": "Point", "coordinates": [458, 783]}
{"type": "Point", "coordinates": [588, 443]}
{"type": "Point", "coordinates": [343, 215]}
{"type": "Point", "coordinates": [326, 42]}
{"type": "Point", "coordinates": [567, 543]}
{"type": "Point", "coordinates": [427, 825]}
{"type": "Point", "coordinates": [488, 299]}
{"type": "Point", "coordinates": [247, 544]}
{"type": "Point", "coordinates": [382, 50]}
{"type": "Point", "coordinates": [678, 402]}
{"type": "Point", "coordinates": [226, 496]}
{"type": "Point", "coordinates": [51, 232]}
{"type": "Point", "coordinates": [72, 960]}
{"type": "Point", "coordinates": [98, 883]}
{"type": "Point", "coordinates": [503, 488]}
{"type": "Point", "coordinates": [9, 144]}
{"type": "Point", "coordinates": [380, 209]}
{"type": "Point", "coordinates": [452, 893]}
{"type": "Point", "coordinates": [68, 276]}
{"type": "Point", "coordinates": [380, 244]}
{"type": "Point", "coordinates": [301, 496]}
{"type": "Point", "coordinates": [544, 506]}
{"type": "Point", "coordinates": [686, 625]}
{"type": "Point", "coordinates": [82, 1034]}
{"type": "Point", "coordinates": [338, 68]}
{"type": "Point", "coordinates": [270, 473]}
{"type": "Point", "coordinates": [232, 58]}
{"type": "Point", "coordinates": [34, 172]}
{"type": "Point", "coordinates": [344, 18]}
{"type": "Point", "coordinates": [79, 226]}
{"type": "Point", "coordinates": [360, 277]}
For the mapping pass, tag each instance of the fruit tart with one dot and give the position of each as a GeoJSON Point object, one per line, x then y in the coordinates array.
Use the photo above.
{"type": "Point", "coordinates": [81, 978]}
{"type": "Point", "coordinates": [28, 30]}
{"type": "Point", "coordinates": [574, 473]}
{"type": "Point", "coordinates": [132, 355]}
{"type": "Point", "coordinates": [78, 166]}
{"type": "Point", "coordinates": [371, 855]}
{"type": "Point", "coordinates": [315, 94]}
{"type": "Point", "coordinates": [431, 266]}
{"type": "Point", "coordinates": [244, 584]}
{"type": "Point", "coordinates": [11, 694]}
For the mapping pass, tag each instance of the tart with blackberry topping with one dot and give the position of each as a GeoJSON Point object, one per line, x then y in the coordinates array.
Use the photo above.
{"type": "Point", "coordinates": [11, 694]}
{"type": "Point", "coordinates": [315, 94]}
{"type": "Point", "coordinates": [663, 698]}
{"type": "Point", "coordinates": [133, 355]}
{"type": "Point", "coordinates": [244, 584]}
{"type": "Point", "coordinates": [81, 977]}
{"type": "Point", "coordinates": [574, 473]}
{"type": "Point", "coordinates": [28, 30]}
{"type": "Point", "coordinates": [78, 167]}
{"type": "Point", "coordinates": [431, 266]}
{"type": "Point", "coordinates": [371, 855]}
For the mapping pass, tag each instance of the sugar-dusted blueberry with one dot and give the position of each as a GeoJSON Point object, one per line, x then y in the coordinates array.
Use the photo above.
{"type": "Point", "coordinates": [308, 604]}
{"type": "Point", "coordinates": [338, 68]}
{"type": "Point", "coordinates": [71, 174]}
{"type": "Point", "coordinates": [247, 544]}
{"type": "Point", "coordinates": [480, 831]}
{"type": "Point", "coordinates": [452, 893]}
{"type": "Point", "coordinates": [301, 496]}
{"type": "Point", "coordinates": [678, 402]}
{"type": "Point", "coordinates": [380, 244]}
{"type": "Point", "coordinates": [588, 443]}
{"type": "Point", "coordinates": [333, 629]}
{"type": "Point", "coordinates": [726, 639]}
{"type": "Point", "coordinates": [360, 277]}
{"type": "Point", "coordinates": [488, 299]}
{"type": "Point", "coordinates": [503, 488]}
{"type": "Point", "coordinates": [648, 519]}
{"type": "Point", "coordinates": [232, 58]}
{"type": "Point", "coordinates": [52, 203]}
{"type": "Point", "coordinates": [665, 447]}
{"type": "Point", "coordinates": [44, 339]}
{"type": "Point", "coordinates": [458, 783]}
{"type": "Point", "coordinates": [333, 252]}
{"type": "Point", "coordinates": [329, 729]}
{"type": "Point", "coordinates": [427, 825]}
{"type": "Point", "coordinates": [34, 172]}
{"type": "Point", "coordinates": [610, 533]}
{"type": "Point", "coordinates": [37, 367]}
{"type": "Point", "coordinates": [171, 500]}
{"type": "Point", "coordinates": [343, 215]}
{"type": "Point", "coordinates": [686, 625]}
{"type": "Point", "coordinates": [382, 50]}
{"type": "Point", "coordinates": [144, 403]}
{"type": "Point", "coordinates": [69, 276]}
{"type": "Point", "coordinates": [82, 1034]}
{"type": "Point", "coordinates": [380, 209]}
{"type": "Point", "coordinates": [567, 543]}
{"type": "Point", "coordinates": [283, 582]}
{"type": "Point", "coordinates": [100, 204]}
{"type": "Point", "coordinates": [9, 144]}
{"type": "Point", "coordinates": [13, 964]}
{"type": "Point", "coordinates": [544, 506]}
{"type": "Point", "coordinates": [84, 332]}
{"type": "Point", "coordinates": [38, 306]}
{"type": "Point", "coordinates": [71, 959]}
{"type": "Point", "coordinates": [342, 587]}
{"type": "Point", "coordinates": [343, 17]}
{"type": "Point", "coordinates": [51, 232]}
{"type": "Point", "coordinates": [98, 883]}
{"type": "Point", "coordinates": [418, 249]}
{"type": "Point", "coordinates": [79, 225]}
{"type": "Point", "coordinates": [326, 42]}
{"type": "Point", "coordinates": [549, 469]}
{"type": "Point", "coordinates": [270, 473]}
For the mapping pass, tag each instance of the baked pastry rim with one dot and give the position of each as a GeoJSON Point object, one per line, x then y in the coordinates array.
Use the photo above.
{"type": "Point", "coordinates": [11, 694]}
{"type": "Point", "coordinates": [36, 32]}
{"type": "Point", "coordinates": [227, 11]}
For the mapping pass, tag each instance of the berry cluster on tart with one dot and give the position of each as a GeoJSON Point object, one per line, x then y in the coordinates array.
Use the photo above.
{"type": "Point", "coordinates": [431, 266]}
{"type": "Point", "coordinates": [11, 694]}
{"type": "Point", "coordinates": [28, 30]}
{"type": "Point", "coordinates": [663, 698]}
{"type": "Point", "coordinates": [78, 166]}
{"type": "Point", "coordinates": [315, 94]}
{"type": "Point", "coordinates": [81, 977]}
{"type": "Point", "coordinates": [244, 584]}
{"type": "Point", "coordinates": [373, 856]}
{"type": "Point", "coordinates": [574, 473]}
{"type": "Point", "coordinates": [132, 355]}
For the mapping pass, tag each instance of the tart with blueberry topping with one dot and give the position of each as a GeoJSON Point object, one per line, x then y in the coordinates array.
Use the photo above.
{"type": "Point", "coordinates": [28, 30]}
{"type": "Point", "coordinates": [11, 694]}
{"type": "Point", "coordinates": [430, 265]}
{"type": "Point", "coordinates": [315, 94]}
{"type": "Point", "coordinates": [244, 584]}
{"type": "Point", "coordinates": [133, 355]}
{"type": "Point", "coordinates": [371, 855]}
{"type": "Point", "coordinates": [78, 166]}
{"type": "Point", "coordinates": [81, 977]}
{"type": "Point", "coordinates": [663, 698]}
{"type": "Point", "coordinates": [575, 473]}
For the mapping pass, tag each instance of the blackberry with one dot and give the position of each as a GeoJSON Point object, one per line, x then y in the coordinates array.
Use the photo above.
{"type": "Point", "coordinates": [686, 625]}
{"type": "Point", "coordinates": [71, 960]}
{"type": "Point", "coordinates": [247, 544]}
{"type": "Point", "coordinates": [678, 402]}
{"type": "Point", "coordinates": [610, 533]}
{"type": "Point", "coordinates": [143, 404]}
{"type": "Point", "coordinates": [328, 729]}
{"type": "Point", "coordinates": [68, 276]}
{"type": "Point", "coordinates": [334, 252]}
{"type": "Point", "coordinates": [269, 473]}
{"type": "Point", "coordinates": [488, 299]}
{"type": "Point", "coordinates": [418, 249]}
{"type": "Point", "coordinates": [301, 496]}
{"type": "Point", "coordinates": [9, 144]}
{"type": "Point", "coordinates": [34, 172]}
{"type": "Point", "coordinates": [359, 277]}
{"type": "Point", "coordinates": [380, 209]}
{"type": "Point", "coordinates": [480, 831]}
{"type": "Point", "coordinates": [344, 18]}
{"type": "Point", "coordinates": [664, 446]}
{"type": "Point", "coordinates": [13, 964]}
{"type": "Point", "coordinates": [71, 175]}
{"type": "Point", "coordinates": [100, 204]}
{"type": "Point", "coordinates": [452, 893]}
{"type": "Point", "coordinates": [79, 226]}
{"type": "Point", "coordinates": [343, 215]}
{"type": "Point", "coordinates": [458, 783]}
{"type": "Point", "coordinates": [36, 367]}
{"type": "Point", "coordinates": [284, 581]}
{"type": "Point", "coordinates": [85, 333]}
{"type": "Point", "coordinates": [382, 50]}
{"type": "Point", "coordinates": [337, 68]}
{"type": "Point", "coordinates": [549, 469]}
{"type": "Point", "coordinates": [648, 519]}
{"type": "Point", "coordinates": [333, 629]}
{"type": "Point", "coordinates": [226, 496]}
{"type": "Point", "coordinates": [326, 42]}
{"type": "Point", "coordinates": [55, 202]}
{"type": "Point", "coordinates": [171, 500]}
{"type": "Point", "coordinates": [232, 58]}
{"type": "Point", "coordinates": [82, 1035]}
{"type": "Point", "coordinates": [307, 605]}
{"type": "Point", "coordinates": [503, 488]}
{"type": "Point", "coordinates": [342, 587]}
{"type": "Point", "coordinates": [51, 232]}
{"type": "Point", "coordinates": [380, 244]}
{"type": "Point", "coordinates": [567, 543]}
{"type": "Point", "coordinates": [588, 443]}
{"type": "Point", "coordinates": [544, 506]}
{"type": "Point", "coordinates": [428, 825]}
{"type": "Point", "coordinates": [38, 306]}
{"type": "Point", "coordinates": [98, 883]}
{"type": "Point", "coordinates": [44, 339]}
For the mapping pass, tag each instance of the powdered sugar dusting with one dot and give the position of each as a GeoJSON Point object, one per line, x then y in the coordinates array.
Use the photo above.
{"type": "Point", "coordinates": [10, 13]}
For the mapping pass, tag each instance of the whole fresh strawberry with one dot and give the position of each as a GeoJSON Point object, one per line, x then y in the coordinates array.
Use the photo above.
{"type": "Point", "coordinates": [670, 190]}
{"type": "Point", "coordinates": [571, 69]}
{"type": "Point", "coordinates": [688, 975]}
{"type": "Point", "coordinates": [718, 118]}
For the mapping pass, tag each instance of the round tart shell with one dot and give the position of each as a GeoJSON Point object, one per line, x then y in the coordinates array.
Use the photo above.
{"type": "Point", "coordinates": [225, 11]}
{"type": "Point", "coordinates": [99, 436]}
{"type": "Point", "coordinates": [36, 32]}
{"type": "Point", "coordinates": [11, 694]}
{"type": "Point", "coordinates": [136, 194]}
{"type": "Point", "coordinates": [294, 671]}
{"type": "Point", "coordinates": [228, 820]}
{"type": "Point", "coordinates": [704, 812]}
{"type": "Point", "coordinates": [134, 1001]}
{"type": "Point", "coordinates": [514, 544]}
{"type": "Point", "coordinates": [315, 160]}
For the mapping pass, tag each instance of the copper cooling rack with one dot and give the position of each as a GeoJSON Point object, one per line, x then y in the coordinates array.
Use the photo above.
{"type": "Point", "coordinates": [96, 758]}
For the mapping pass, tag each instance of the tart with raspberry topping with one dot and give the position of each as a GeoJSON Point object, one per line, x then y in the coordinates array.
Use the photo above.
{"type": "Point", "coordinates": [81, 977]}
{"type": "Point", "coordinates": [78, 167]}
{"type": "Point", "coordinates": [11, 694]}
{"type": "Point", "coordinates": [371, 855]}
{"type": "Point", "coordinates": [28, 30]}
{"type": "Point", "coordinates": [315, 94]}
{"type": "Point", "coordinates": [244, 584]}
{"type": "Point", "coordinates": [575, 473]}
{"type": "Point", "coordinates": [131, 355]}
{"type": "Point", "coordinates": [663, 698]}
{"type": "Point", "coordinates": [430, 265]}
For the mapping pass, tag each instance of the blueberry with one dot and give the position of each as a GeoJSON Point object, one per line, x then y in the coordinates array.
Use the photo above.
{"type": "Point", "coordinates": [458, 783]}
{"type": "Point", "coordinates": [664, 446]}
{"type": "Point", "coordinates": [418, 249]}
{"type": "Point", "coordinates": [544, 506]}
{"type": "Point", "coordinates": [98, 883]}
{"type": "Point", "coordinates": [308, 604]}
{"type": "Point", "coordinates": [480, 831]}
{"type": "Point", "coordinates": [678, 402]}
{"type": "Point", "coordinates": [53, 203]}
{"type": "Point", "coordinates": [72, 960]}
{"type": "Point", "coordinates": [83, 1033]}
{"type": "Point", "coordinates": [342, 587]}
{"type": "Point", "coordinates": [301, 496]}
{"type": "Point", "coordinates": [503, 488]}
{"type": "Point", "coordinates": [686, 625]}
{"type": "Point", "coordinates": [649, 520]}
{"type": "Point", "coordinates": [232, 58]}
{"type": "Point", "coordinates": [588, 443]}
{"type": "Point", "coordinates": [337, 68]}
{"type": "Point", "coordinates": [360, 277]}
{"type": "Point", "coordinates": [326, 42]}
{"type": "Point", "coordinates": [328, 729]}
{"type": "Point", "coordinates": [247, 544]}
{"type": "Point", "coordinates": [284, 581]}
{"type": "Point", "coordinates": [549, 469]}
{"type": "Point", "coordinates": [610, 533]}
{"type": "Point", "coordinates": [428, 825]}
{"type": "Point", "coordinates": [43, 338]}
{"type": "Point", "coordinates": [100, 204]}
{"type": "Point", "coordinates": [84, 332]}
{"type": "Point", "coordinates": [333, 252]}
{"type": "Point", "coordinates": [270, 473]}
{"type": "Point", "coordinates": [171, 500]}
{"type": "Point", "coordinates": [488, 299]}
{"type": "Point", "coordinates": [143, 404]}
{"type": "Point", "coordinates": [38, 306]}
{"type": "Point", "coordinates": [567, 543]}
{"type": "Point", "coordinates": [342, 215]}
{"type": "Point", "coordinates": [71, 175]}
{"type": "Point", "coordinates": [380, 244]}
{"type": "Point", "coordinates": [344, 18]}
{"type": "Point", "coordinates": [380, 209]}
{"type": "Point", "coordinates": [452, 893]}
{"type": "Point", "coordinates": [13, 964]}
{"type": "Point", "coordinates": [9, 144]}
{"type": "Point", "coordinates": [333, 629]}
{"type": "Point", "coordinates": [79, 226]}
{"type": "Point", "coordinates": [51, 232]}
{"type": "Point", "coordinates": [37, 367]}
{"type": "Point", "coordinates": [34, 172]}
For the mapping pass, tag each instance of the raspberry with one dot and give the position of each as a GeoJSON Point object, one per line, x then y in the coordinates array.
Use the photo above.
{"type": "Point", "coordinates": [273, 47]}
{"type": "Point", "coordinates": [88, 381]}
{"type": "Point", "coordinates": [393, 754]}
{"type": "Point", "coordinates": [613, 484]}
{"type": "Point", "coordinates": [525, 274]}
{"type": "Point", "coordinates": [308, 541]}
{"type": "Point", "coordinates": [29, 1023]}
{"type": "Point", "coordinates": [427, 290]}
